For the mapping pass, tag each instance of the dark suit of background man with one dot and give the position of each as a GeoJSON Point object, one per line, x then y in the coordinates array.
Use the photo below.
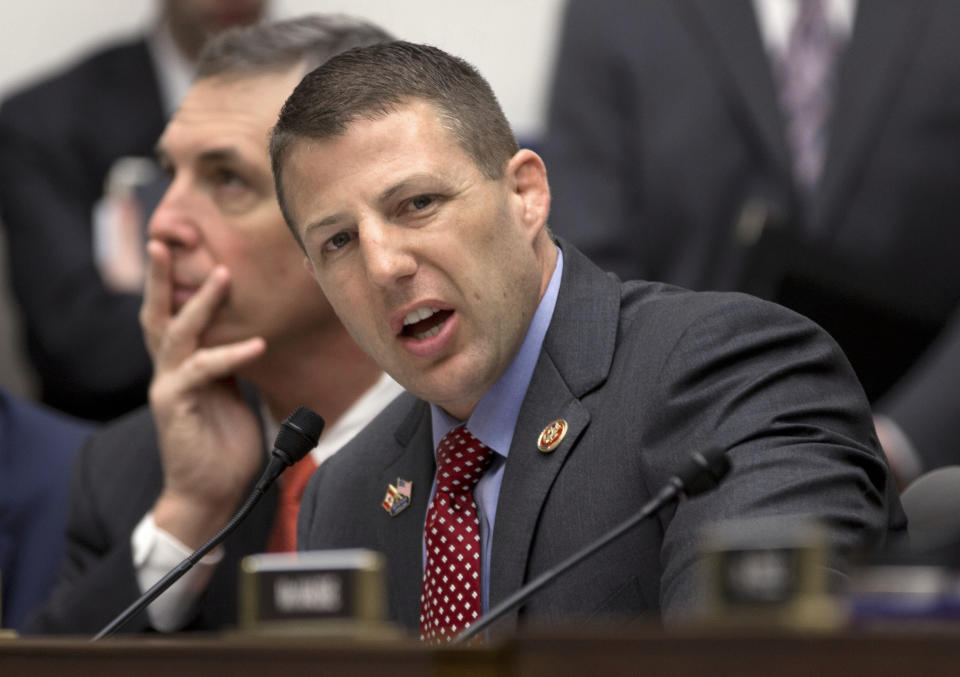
{"type": "Point", "coordinates": [669, 150]}
{"type": "Point", "coordinates": [157, 483]}
{"type": "Point", "coordinates": [60, 143]}
{"type": "Point", "coordinates": [426, 228]}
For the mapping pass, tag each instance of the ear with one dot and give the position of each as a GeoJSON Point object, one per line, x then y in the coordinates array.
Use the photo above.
{"type": "Point", "coordinates": [527, 177]}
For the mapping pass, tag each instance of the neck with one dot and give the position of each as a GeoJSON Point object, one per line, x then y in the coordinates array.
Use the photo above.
{"type": "Point", "coordinates": [326, 374]}
{"type": "Point", "coordinates": [546, 252]}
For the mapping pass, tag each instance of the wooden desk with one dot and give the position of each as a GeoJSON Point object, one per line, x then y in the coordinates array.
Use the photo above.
{"type": "Point", "coordinates": [648, 653]}
{"type": "Point", "coordinates": [740, 654]}
{"type": "Point", "coordinates": [236, 657]}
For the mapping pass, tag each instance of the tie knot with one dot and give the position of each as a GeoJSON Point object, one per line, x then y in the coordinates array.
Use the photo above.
{"type": "Point", "coordinates": [461, 461]}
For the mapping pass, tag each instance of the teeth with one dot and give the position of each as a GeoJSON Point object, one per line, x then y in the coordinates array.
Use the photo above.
{"type": "Point", "coordinates": [419, 314]}
{"type": "Point", "coordinates": [428, 333]}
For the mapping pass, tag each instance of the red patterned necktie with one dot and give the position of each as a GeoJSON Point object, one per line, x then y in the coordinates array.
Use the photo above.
{"type": "Point", "coordinates": [452, 596]}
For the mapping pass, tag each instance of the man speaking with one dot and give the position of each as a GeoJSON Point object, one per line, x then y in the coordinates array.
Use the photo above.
{"type": "Point", "coordinates": [548, 400]}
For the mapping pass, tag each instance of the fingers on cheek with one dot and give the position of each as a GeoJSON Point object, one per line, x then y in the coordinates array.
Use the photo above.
{"type": "Point", "coordinates": [211, 364]}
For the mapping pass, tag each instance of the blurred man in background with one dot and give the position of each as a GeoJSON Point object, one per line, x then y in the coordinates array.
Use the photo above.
{"type": "Point", "coordinates": [240, 336]}
{"type": "Point", "coordinates": [801, 150]}
{"type": "Point", "coordinates": [77, 183]}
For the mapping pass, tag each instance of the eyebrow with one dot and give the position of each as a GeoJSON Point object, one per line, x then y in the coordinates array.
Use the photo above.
{"type": "Point", "coordinates": [220, 155]}
{"type": "Point", "coordinates": [225, 154]}
{"type": "Point", "coordinates": [328, 221]}
{"type": "Point", "coordinates": [403, 183]}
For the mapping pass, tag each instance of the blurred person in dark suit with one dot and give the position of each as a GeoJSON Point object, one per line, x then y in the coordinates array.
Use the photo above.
{"type": "Point", "coordinates": [240, 336]}
{"type": "Point", "coordinates": [37, 447]}
{"type": "Point", "coordinates": [804, 151]}
{"type": "Point", "coordinates": [76, 186]}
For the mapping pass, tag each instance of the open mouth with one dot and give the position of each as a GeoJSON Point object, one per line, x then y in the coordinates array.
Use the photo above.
{"type": "Point", "coordinates": [425, 322]}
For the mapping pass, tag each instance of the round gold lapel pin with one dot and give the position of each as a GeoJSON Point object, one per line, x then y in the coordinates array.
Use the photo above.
{"type": "Point", "coordinates": [551, 436]}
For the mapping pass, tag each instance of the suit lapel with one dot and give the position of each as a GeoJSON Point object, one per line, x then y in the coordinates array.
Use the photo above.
{"type": "Point", "coordinates": [728, 33]}
{"type": "Point", "coordinates": [871, 71]}
{"type": "Point", "coordinates": [587, 308]}
{"type": "Point", "coordinates": [403, 533]}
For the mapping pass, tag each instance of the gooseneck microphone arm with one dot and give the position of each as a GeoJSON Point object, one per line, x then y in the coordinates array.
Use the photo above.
{"type": "Point", "coordinates": [702, 473]}
{"type": "Point", "coordinates": [298, 434]}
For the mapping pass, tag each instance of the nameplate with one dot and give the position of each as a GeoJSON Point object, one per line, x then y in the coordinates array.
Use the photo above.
{"type": "Point", "coordinates": [312, 590]}
{"type": "Point", "coordinates": [768, 571]}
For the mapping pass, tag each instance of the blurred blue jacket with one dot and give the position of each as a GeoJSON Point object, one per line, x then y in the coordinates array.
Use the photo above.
{"type": "Point", "coordinates": [37, 447]}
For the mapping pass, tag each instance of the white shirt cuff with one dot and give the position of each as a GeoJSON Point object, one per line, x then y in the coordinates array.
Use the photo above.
{"type": "Point", "coordinates": [156, 552]}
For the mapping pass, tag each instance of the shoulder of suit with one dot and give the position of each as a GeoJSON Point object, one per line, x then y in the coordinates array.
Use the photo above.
{"type": "Point", "coordinates": [386, 433]}
{"type": "Point", "coordinates": [128, 441]}
{"type": "Point", "coordinates": [668, 310]}
{"type": "Point", "coordinates": [91, 73]}
{"type": "Point", "coordinates": [671, 297]}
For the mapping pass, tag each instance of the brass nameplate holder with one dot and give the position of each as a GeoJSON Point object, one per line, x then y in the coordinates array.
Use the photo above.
{"type": "Point", "coordinates": [341, 592]}
{"type": "Point", "coordinates": [768, 571]}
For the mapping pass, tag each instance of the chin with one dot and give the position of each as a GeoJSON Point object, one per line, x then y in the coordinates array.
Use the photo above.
{"type": "Point", "coordinates": [439, 392]}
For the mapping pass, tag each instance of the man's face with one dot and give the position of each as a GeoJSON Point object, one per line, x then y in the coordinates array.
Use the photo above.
{"type": "Point", "coordinates": [434, 269]}
{"type": "Point", "coordinates": [221, 209]}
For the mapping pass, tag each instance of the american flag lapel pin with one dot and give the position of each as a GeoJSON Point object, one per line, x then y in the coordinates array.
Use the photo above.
{"type": "Point", "coordinates": [397, 498]}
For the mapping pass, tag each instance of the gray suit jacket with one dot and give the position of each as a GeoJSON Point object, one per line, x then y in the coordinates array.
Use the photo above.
{"type": "Point", "coordinates": [644, 374]}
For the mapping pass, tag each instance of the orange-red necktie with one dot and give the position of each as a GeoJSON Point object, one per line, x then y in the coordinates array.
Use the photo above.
{"type": "Point", "coordinates": [283, 537]}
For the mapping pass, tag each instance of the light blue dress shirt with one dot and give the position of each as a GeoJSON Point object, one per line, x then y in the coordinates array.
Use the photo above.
{"type": "Point", "coordinates": [494, 419]}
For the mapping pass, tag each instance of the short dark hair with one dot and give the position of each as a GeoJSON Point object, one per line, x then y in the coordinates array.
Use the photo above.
{"type": "Point", "coordinates": [274, 46]}
{"type": "Point", "coordinates": [373, 81]}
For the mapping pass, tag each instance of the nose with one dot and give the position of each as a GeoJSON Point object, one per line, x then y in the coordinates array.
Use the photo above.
{"type": "Point", "coordinates": [386, 252]}
{"type": "Point", "coordinates": [174, 220]}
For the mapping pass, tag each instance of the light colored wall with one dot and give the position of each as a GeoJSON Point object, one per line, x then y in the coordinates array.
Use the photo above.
{"type": "Point", "coordinates": [511, 42]}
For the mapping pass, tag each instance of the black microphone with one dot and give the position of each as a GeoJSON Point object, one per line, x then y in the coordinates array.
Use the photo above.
{"type": "Point", "coordinates": [701, 473]}
{"type": "Point", "coordinates": [298, 435]}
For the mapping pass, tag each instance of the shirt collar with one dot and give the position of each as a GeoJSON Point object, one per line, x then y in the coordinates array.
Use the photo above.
{"type": "Point", "coordinates": [363, 410]}
{"type": "Point", "coordinates": [775, 19]}
{"type": "Point", "coordinates": [495, 417]}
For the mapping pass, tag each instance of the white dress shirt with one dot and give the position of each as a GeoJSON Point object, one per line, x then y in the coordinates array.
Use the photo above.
{"type": "Point", "coordinates": [173, 69]}
{"type": "Point", "coordinates": [776, 18]}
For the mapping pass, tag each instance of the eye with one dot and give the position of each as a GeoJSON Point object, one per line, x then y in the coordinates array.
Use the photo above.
{"type": "Point", "coordinates": [224, 176]}
{"type": "Point", "coordinates": [338, 241]}
{"type": "Point", "coordinates": [421, 201]}
{"type": "Point", "coordinates": [419, 206]}
{"type": "Point", "coordinates": [232, 191]}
